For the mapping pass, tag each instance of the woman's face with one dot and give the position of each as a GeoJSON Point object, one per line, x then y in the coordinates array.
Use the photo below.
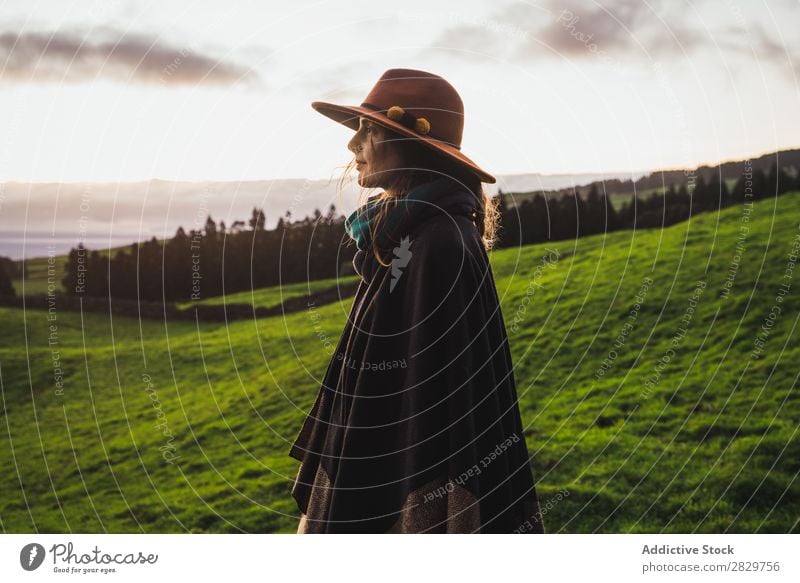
{"type": "Point", "coordinates": [376, 157]}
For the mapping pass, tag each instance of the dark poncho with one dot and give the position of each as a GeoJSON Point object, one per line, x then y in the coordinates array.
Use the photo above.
{"type": "Point", "coordinates": [416, 427]}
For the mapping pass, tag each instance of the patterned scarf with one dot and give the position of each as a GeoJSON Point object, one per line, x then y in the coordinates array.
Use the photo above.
{"type": "Point", "coordinates": [440, 194]}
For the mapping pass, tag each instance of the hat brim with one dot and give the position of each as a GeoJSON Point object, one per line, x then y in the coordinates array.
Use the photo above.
{"type": "Point", "coordinates": [348, 115]}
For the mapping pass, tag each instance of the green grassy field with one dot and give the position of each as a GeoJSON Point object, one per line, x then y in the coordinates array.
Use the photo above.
{"type": "Point", "coordinates": [685, 430]}
{"type": "Point", "coordinates": [272, 296]}
{"type": "Point", "coordinates": [36, 282]}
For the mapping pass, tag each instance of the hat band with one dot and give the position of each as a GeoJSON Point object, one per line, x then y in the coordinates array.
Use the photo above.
{"type": "Point", "coordinates": [408, 121]}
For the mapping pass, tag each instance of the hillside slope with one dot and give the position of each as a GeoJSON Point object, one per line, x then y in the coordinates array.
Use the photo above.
{"type": "Point", "coordinates": [672, 411]}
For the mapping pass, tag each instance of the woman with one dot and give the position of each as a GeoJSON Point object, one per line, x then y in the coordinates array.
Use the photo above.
{"type": "Point", "coordinates": [416, 427]}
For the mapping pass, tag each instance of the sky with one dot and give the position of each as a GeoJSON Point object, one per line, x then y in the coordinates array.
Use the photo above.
{"type": "Point", "coordinates": [103, 91]}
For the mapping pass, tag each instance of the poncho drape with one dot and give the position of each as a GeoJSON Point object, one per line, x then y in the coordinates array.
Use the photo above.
{"type": "Point", "coordinates": [416, 427]}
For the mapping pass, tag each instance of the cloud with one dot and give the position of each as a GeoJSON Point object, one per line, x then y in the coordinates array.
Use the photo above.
{"type": "Point", "coordinates": [346, 82]}
{"type": "Point", "coordinates": [522, 32]}
{"type": "Point", "coordinates": [473, 36]}
{"type": "Point", "coordinates": [64, 57]}
{"type": "Point", "coordinates": [613, 26]}
{"type": "Point", "coordinates": [766, 47]}
{"type": "Point", "coordinates": [625, 29]}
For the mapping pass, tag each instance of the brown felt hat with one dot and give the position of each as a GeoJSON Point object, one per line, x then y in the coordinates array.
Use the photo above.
{"type": "Point", "coordinates": [416, 104]}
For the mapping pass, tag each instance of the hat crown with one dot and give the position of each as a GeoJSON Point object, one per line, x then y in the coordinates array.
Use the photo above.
{"type": "Point", "coordinates": [421, 94]}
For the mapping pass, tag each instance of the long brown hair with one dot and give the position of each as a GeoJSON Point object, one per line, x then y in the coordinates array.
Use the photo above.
{"type": "Point", "coordinates": [420, 165]}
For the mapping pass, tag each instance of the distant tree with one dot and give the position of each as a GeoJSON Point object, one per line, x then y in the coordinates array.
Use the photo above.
{"type": "Point", "coordinates": [96, 275]}
{"type": "Point", "coordinates": [777, 181]}
{"type": "Point", "coordinates": [210, 228]}
{"type": "Point", "coordinates": [257, 220]}
{"type": "Point", "coordinates": [6, 287]}
{"type": "Point", "coordinates": [565, 217]}
{"type": "Point", "coordinates": [703, 197]}
{"type": "Point", "coordinates": [12, 267]}
{"type": "Point", "coordinates": [717, 192]}
{"type": "Point", "coordinates": [210, 261]}
{"type": "Point", "coordinates": [177, 280]}
{"type": "Point", "coordinates": [330, 216]}
{"type": "Point", "coordinates": [739, 192]}
{"type": "Point", "coordinates": [509, 230]}
{"type": "Point", "coordinates": [724, 192]}
{"type": "Point", "coordinates": [149, 260]}
{"type": "Point", "coordinates": [593, 219]}
{"type": "Point", "coordinates": [502, 205]}
{"type": "Point", "coordinates": [760, 188]}
{"type": "Point", "coordinates": [627, 212]}
{"type": "Point", "coordinates": [612, 221]}
{"type": "Point", "coordinates": [73, 280]}
{"type": "Point", "coordinates": [683, 197]}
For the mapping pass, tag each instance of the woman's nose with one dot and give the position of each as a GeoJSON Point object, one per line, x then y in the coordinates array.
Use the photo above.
{"type": "Point", "coordinates": [352, 145]}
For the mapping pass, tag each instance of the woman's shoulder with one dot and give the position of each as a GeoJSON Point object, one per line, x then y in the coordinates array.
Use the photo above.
{"type": "Point", "coordinates": [445, 251]}
{"type": "Point", "coordinates": [446, 232]}
{"type": "Point", "coordinates": [445, 240]}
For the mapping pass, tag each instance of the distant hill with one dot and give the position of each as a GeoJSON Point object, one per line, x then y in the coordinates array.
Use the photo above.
{"type": "Point", "coordinates": [520, 187]}
{"type": "Point", "coordinates": [119, 213]}
{"type": "Point", "coordinates": [620, 190]}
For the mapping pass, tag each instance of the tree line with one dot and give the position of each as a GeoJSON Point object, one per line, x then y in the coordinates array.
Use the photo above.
{"type": "Point", "coordinates": [546, 217]}
{"type": "Point", "coordinates": [206, 262]}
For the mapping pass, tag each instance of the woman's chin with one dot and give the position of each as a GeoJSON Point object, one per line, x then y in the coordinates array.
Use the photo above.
{"type": "Point", "coordinates": [365, 181]}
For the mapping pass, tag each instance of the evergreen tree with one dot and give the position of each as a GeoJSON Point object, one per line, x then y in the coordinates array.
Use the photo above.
{"type": "Point", "coordinates": [97, 275]}
{"type": "Point", "coordinates": [760, 187]}
{"type": "Point", "coordinates": [610, 214]}
{"type": "Point", "coordinates": [594, 213]}
{"type": "Point", "coordinates": [502, 204]}
{"type": "Point", "coordinates": [777, 181]}
{"type": "Point", "coordinates": [6, 287]}
{"type": "Point", "coordinates": [71, 280]}
{"type": "Point", "coordinates": [257, 220]}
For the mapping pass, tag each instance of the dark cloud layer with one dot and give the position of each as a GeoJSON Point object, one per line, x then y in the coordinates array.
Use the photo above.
{"type": "Point", "coordinates": [65, 57]}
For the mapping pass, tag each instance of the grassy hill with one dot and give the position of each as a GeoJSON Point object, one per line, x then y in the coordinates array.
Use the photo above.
{"type": "Point", "coordinates": [662, 413]}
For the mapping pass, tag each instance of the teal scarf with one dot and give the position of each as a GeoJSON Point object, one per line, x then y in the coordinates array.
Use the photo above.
{"type": "Point", "coordinates": [359, 224]}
